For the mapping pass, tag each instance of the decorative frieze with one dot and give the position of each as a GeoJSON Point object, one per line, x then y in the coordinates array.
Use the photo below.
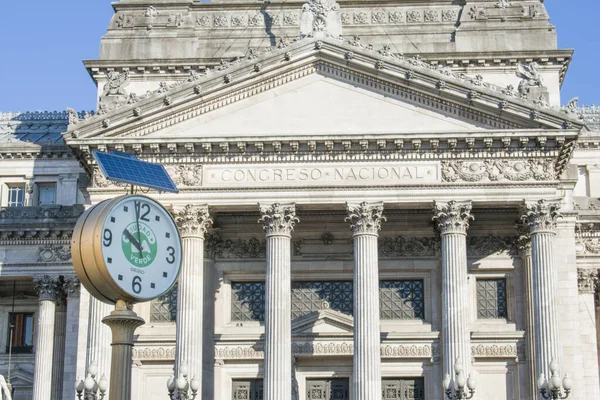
{"type": "Point", "coordinates": [589, 246]}
{"type": "Point", "coordinates": [409, 247]}
{"type": "Point", "coordinates": [189, 175]}
{"type": "Point", "coordinates": [278, 219]}
{"type": "Point", "coordinates": [365, 218]}
{"type": "Point", "coordinates": [588, 280]}
{"type": "Point", "coordinates": [496, 351]}
{"type": "Point", "coordinates": [193, 220]}
{"type": "Point", "coordinates": [240, 248]}
{"type": "Point", "coordinates": [498, 170]}
{"type": "Point", "coordinates": [452, 217]}
{"type": "Point", "coordinates": [541, 215]}
{"type": "Point", "coordinates": [54, 253]}
{"type": "Point", "coordinates": [154, 353]}
{"type": "Point", "coordinates": [482, 246]}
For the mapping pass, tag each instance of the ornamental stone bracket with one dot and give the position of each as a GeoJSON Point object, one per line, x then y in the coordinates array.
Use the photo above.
{"type": "Point", "coordinates": [193, 220]}
{"type": "Point", "coordinates": [588, 280]}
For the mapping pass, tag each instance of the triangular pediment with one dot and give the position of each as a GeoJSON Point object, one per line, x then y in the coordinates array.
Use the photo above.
{"type": "Point", "coordinates": [319, 87]}
{"type": "Point", "coordinates": [319, 104]}
{"type": "Point", "coordinates": [325, 321]}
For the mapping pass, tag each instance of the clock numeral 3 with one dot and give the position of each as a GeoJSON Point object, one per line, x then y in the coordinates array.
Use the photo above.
{"type": "Point", "coordinates": [136, 284]}
{"type": "Point", "coordinates": [171, 258]}
{"type": "Point", "coordinates": [107, 236]}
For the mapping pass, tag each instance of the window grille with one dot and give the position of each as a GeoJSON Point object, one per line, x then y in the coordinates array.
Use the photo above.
{"type": "Point", "coordinates": [247, 301]}
{"type": "Point", "coordinates": [16, 195]}
{"type": "Point", "coordinates": [251, 389]}
{"type": "Point", "coordinates": [164, 308]}
{"type": "Point", "coordinates": [401, 299]}
{"type": "Point", "coordinates": [491, 299]}
{"type": "Point", "coordinates": [403, 389]}
{"type": "Point", "coordinates": [313, 296]}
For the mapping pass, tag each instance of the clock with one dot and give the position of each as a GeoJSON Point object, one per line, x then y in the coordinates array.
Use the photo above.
{"type": "Point", "coordinates": [127, 248]}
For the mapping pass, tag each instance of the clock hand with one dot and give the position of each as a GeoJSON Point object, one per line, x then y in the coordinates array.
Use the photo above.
{"type": "Point", "coordinates": [133, 240]}
{"type": "Point", "coordinates": [137, 221]}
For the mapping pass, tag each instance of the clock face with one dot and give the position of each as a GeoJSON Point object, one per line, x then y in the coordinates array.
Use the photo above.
{"type": "Point", "coordinates": [141, 247]}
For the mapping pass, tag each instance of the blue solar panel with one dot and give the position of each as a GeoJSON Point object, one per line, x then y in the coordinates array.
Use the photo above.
{"type": "Point", "coordinates": [133, 171]}
{"type": "Point", "coordinates": [123, 154]}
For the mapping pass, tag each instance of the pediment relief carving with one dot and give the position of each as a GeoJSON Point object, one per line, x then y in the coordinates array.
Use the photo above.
{"type": "Point", "coordinates": [323, 321]}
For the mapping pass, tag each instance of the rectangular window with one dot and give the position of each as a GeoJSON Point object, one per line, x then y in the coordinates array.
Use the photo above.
{"type": "Point", "coordinates": [491, 298]}
{"type": "Point", "coordinates": [22, 332]}
{"type": "Point", "coordinates": [164, 308]}
{"type": "Point", "coordinates": [247, 301]}
{"type": "Point", "coordinates": [16, 195]}
{"type": "Point", "coordinates": [251, 389]}
{"type": "Point", "coordinates": [401, 299]}
{"type": "Point", "coordinates": [313, 296]}
{"type": "Point", "coordinates": [403, 388]}
{"type": "Point", "coordinates": [46, 193]}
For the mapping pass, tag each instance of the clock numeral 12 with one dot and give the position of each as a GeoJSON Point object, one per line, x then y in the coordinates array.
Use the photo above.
{"type": "Point", "coordinates": [136, 284]}
{"type": "Point", "coordinates": [142, 206]}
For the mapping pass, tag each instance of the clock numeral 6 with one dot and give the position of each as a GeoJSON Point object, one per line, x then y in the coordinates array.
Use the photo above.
{"type": "Point", "coordinates": [107, 236]}
{"type": "Point", "coordinates": [136, 284]}
{"type": "Point", "coordinates": [171, 257]}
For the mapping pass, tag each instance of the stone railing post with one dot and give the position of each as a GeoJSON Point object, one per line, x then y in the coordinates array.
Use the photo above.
{"type": "Point", "coordinates": [365, 221]}
{"type": "Point", "coordinates": [278, 221]}
{"type": "Point", "coordinates": [541, 219]}
{"type": "Point", "coordinates": [193, 222]}
{"type": "Point", "coordinates": [452, 221]}
{"type": "Point", "coordinates": [47, 289]}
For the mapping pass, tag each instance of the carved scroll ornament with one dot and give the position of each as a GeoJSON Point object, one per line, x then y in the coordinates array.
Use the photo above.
{"type": "Point", "coordinates": [498, 170]}
{"type": "Point", "coordinates": [541, 215]}
{"type": "Point", "coordinates": [365, 218]}
{"type": "Point", "coordinates": [452, 217]}
{"type": "Point", "coordinates": [278, 219]}
{"type": "Point", "coordinates": [193, 220]}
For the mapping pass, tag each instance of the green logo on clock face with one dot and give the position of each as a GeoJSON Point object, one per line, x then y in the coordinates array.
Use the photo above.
{"type": "Point", "coordinates": [139, 247]}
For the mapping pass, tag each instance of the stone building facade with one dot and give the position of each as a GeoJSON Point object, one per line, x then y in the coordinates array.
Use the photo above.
{"type": "Point", "coordinates": [368, 191]}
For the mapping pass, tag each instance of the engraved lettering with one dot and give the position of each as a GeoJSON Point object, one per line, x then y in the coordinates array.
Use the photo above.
{"type": "Point", "coordinates": [303, 174]}
{"type": "Point", "coordinates": [360, 173]}
{"type": "Point", "coordinates": [316, 174]}
{"type": "Point", "coordinates": [277, 174]}
{"type": "Point", "coordinates": [265, 176]}
{"type": "Point", "coordinates": [226, 175]}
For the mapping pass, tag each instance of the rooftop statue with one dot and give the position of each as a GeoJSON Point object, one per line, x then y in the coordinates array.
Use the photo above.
{"type": "Point", "coordinates": [115, 84]}
{"type": "Point", "coordinates": [321, 17]}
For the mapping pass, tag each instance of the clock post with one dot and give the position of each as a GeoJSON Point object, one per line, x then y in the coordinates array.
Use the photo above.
{"type": "Point", "coordinates": [122, 322]}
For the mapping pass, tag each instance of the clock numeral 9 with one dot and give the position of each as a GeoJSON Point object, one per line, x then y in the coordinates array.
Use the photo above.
{"type": "Point", "coordinates": [107, 236]}
{"type": "Point", "coordinates": [136, 284]}
{"type": "Point", "coordinates": [171, 257]}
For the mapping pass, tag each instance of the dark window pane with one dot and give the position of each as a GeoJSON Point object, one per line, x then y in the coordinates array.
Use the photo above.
{"type": "Point", "coordinates": [313, 296]}
{"type": "Point", "coordinates": [403, 389]}
{"type": "Point", "coordinates": [164, 308]}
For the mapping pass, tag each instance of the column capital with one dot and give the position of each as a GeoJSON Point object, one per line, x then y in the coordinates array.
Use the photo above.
{"type": "Point", "coordinates": [278, 219]}
{"type": "Point", "coordinates": [193, 220]}
{"type": "Point", "coordinates": [587, 280]}
{"type": "Point", "coordinates": [541, 216]}
{"type": "Point", "coordinates": [453, 216]}
{"type": "Point", "coordinates": [523, 242]}
{"type": "Point", "coordinates": [72, 286]}
{"type": "Point", "coordinates": [46, 287]}
{"type": "Point", "coordinates": [365, 218]}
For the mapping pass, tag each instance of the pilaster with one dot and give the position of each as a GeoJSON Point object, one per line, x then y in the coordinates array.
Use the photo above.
{"type": "Point", "coordinates": [365, 221]}
{"type": "Point", "coordinates": [47, 289]}
{"type": "Point", "coordinates": [193, 222]}
{"type": "Point", "coordinates": [72, 290]}
{"type": "Point", "coordinates": [58, 361]}
{"type": "Point", "coordinates": [278, 222]}
{"type": "Point", "coordinates": [452, 221]}
{"type": "Point", "coordinates": [588, 281]}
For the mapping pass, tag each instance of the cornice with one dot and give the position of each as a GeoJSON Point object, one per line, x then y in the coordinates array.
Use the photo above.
{"type": "Point", "coordinates": [412, 78]}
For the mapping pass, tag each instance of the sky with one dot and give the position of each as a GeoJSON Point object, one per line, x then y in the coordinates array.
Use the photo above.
{"type": "Point", "coordinates": [44, 43]}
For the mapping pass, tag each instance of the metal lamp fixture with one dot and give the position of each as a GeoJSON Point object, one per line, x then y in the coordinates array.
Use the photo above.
{"type": "Point", "coordinates": [182, 388]}
{"type": "Point", "coordinates": [551, 389]}
{"type": "Point", "coordinates": [459, 392]}
{"type": "Point", "coordinates": [89, 387]}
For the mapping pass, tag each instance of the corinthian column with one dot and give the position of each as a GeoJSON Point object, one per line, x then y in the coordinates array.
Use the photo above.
{"type": "Point", "coordinates": [279, 221]}
{"type": "Point", "coordinates": [524, 248]}
{"type": "Point", "coordinates": [365, 220]}
{"type": "Point", "coordinates": [452, 221]}
{"type": "Point", "coordinates": [540, 218]}
{"type": "Point", "coordinates": [193, 222]}
{"type": "Point", "coordinates": [47, 288]}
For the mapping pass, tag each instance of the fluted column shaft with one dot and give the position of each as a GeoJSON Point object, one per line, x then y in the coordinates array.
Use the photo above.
{"type": "Point", "coordinates": [73, 292]}
{"type": "Point", "coordinates": [47, 288]}
{"type": "Point", "coordinates": [540, 218]}
{"type": "Point", "coordinates": [279, 221]}
{"type": "Point", "coordinates": [99, 337]}
{"type": "Point", "coordinates": [524, 246]}
{"type": "Point", "coordinates": [365, 219]}
{"type": "Point", "coordinates": [452, 220]}
{"type": "Point", "coordinates": [193, 222]}
{"type": "Point", "coordinates": [58, 361]}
